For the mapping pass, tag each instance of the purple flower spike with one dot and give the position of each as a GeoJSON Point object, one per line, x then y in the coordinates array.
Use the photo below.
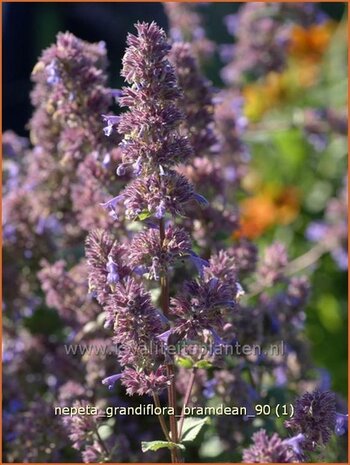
{"type": "Point", "coordinates": [111, 380]}
{"type": "Point", "coordinates": [315, 417]}
{"type": "Point", "coordinates": [265, 449]}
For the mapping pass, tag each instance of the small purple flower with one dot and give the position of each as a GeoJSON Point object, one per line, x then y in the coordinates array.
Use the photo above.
{"type": "Point", "coordinates": [112, 268]}
{"type": "Point", "coordinates": [341, 424]}
{"type": "Point", "coordinates": [53, 76]}
{"type": "Point", "coordinates": [198, 262]}
{"type": "Point", "coordinates": [111, 121]}
{"type": "Point", "coordinates": [209, 388]}
{"type": "Point", "coordinates": [231, 22]}
{"type": "Point", "coordinates": [316, 231]}
{"type": "Point", "coordinates": [111, 204]}
{"type": "Point", "coordinates": [111, 380]}
{"type": "Point", "coordinates": [200, 199]}
{"type": "Point", "coordinates": [160, 209]}
{"type": "Point", "coordinates": [165, 336]}
{"type": "Point", "coordinates": [296, 443]}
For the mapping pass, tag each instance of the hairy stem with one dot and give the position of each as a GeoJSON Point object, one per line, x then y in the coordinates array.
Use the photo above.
{"type": "Point", "coordinates": [186, 399]}
{"type": "Point", "coordinates": [175, 453]}
{"type": "Point", "coordinates": [161, 417]}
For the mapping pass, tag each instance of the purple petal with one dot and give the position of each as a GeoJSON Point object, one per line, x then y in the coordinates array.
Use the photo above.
{"type": "Point", "coordinates": [160, 210]}
{"type": "Point", "coordinates": [121, 170]}
{"type": "Point", "coordinates": [116, 93]}
{"type": "Point", "coordinates": [341, 424]}
{"type": "Point", "coordinates": [106, 159]}
{"type": "Point", "coordinates": [165, 336]}
{"type": "Point", "coordinates": [111, 119]}
{"type": "Point", "coordinates": [200, 199]}
{"type": "Point", "coordinates": [111, 380]}
{"type": "Point", "coordinates": [112, 202]}
{"type": "Point", "coordinates": [316, 231]}
{"type": "Point", "coordinates": [296, 443]}
{"type": "Point", "coordinates": [198, 262]}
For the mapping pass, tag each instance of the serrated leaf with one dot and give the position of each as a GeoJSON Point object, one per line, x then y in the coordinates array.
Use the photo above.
{"type": "Point", "coordinates": [184, 362]}
{"type": "Point", "coordinates": [192, 427]}
{"type": "Point", "coordinates": [155, 445]}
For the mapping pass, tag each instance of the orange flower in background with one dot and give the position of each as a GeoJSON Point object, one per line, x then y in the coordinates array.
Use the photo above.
{"type": "Point", "coordinates": [270, 207]}
{"type": "Point", "coordinates": [306, 50]}
{"type": "Point", "coordinates": [311, 43]}
{"type": "Point", "coordinates": [261, 96]}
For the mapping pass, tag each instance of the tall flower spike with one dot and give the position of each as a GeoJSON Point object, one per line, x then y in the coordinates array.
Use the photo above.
{"type": "Point", "coordinates": [150, 128]}
{"type": "Point", "coordinates": [67, 118]}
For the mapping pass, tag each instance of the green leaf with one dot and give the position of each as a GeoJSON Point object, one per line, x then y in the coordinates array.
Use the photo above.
{"type": "Point", "coordinates": [144, 215]}
{"type": "Point", "coordinates": [205, 364]}
{"type": "Point", "coordinates": [184, 362]}
{"type": "Point", "coordinates": [192, 427]}
{"type": "Point", "coordinates": [155, 445]}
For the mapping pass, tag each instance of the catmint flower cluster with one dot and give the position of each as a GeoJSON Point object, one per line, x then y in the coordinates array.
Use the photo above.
{"type": "Point", "coordinates": [151, 146]}
{"type": "Point", "coordinates": [314, 417]}
{"type": "Point", "coordinates": [267, 449]}
{"type": "Point", "coordinates": [65, 111]}
{"type": "Point", "coordinates": [313, 423]}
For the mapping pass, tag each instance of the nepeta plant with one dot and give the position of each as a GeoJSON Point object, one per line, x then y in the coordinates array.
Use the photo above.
{"type": "Point", "coordinates": [152, 146]}
{"type": "Point", "coordinates": [157, 187]}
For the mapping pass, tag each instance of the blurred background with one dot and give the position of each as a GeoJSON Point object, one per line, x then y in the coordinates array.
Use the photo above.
{"type": "Point", "coordinates": [292, 160]}
{"type": "Point", "coordinates": [29, 28]}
